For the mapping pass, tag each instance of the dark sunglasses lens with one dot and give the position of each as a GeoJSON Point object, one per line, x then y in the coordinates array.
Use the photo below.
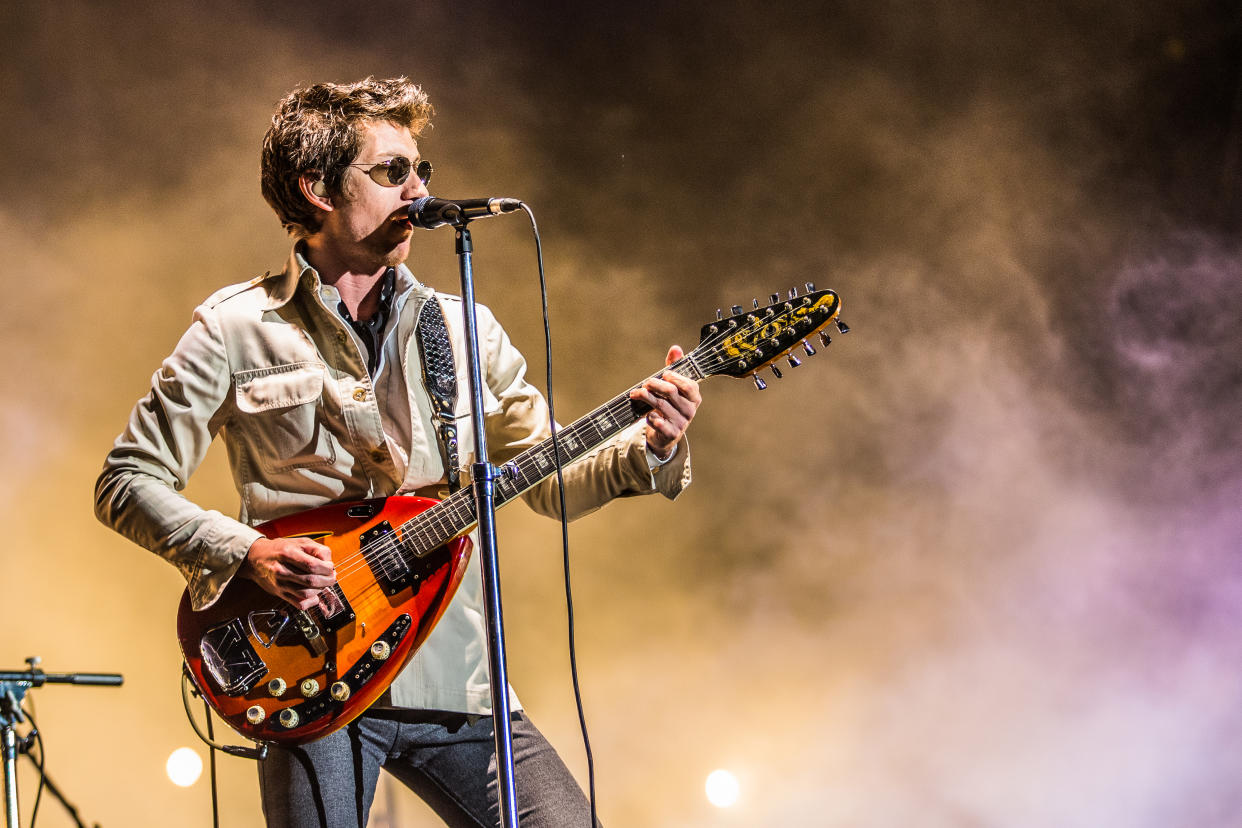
{"type": "Point", "coordinates": [398, 170]}
{"type": "Point", "coordinates": [423, 171]}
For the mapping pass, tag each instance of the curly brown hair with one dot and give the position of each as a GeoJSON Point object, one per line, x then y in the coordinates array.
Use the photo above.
{"type": "Point", "coordinates": [316, 131]}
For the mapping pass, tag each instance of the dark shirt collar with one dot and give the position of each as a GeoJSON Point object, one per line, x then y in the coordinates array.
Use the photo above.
{"type": "Point", "coordinates": [371, 331]}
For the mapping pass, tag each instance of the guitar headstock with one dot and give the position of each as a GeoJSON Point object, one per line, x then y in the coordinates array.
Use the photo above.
{"type": "Point", "coordinates": [742, 344]}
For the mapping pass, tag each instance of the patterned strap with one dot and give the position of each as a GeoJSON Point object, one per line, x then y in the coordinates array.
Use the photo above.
{"type": "Point", "coordinates": [440, 379]}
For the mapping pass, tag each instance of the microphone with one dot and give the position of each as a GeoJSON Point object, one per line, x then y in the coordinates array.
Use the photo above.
{"type": "Point", "coordinates": [429, 212]}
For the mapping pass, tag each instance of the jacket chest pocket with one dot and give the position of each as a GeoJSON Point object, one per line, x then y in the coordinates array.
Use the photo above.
{"type": "Point", "coordinates": [282, 416]}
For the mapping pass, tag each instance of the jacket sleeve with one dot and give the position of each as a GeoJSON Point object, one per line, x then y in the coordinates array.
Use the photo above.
{"type": "Point", "coordinates": [169, 430]}
{"type": "Point", "coordinates": [618, 468]}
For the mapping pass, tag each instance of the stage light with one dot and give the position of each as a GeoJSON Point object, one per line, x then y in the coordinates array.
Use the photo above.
{"type": "Point", "coordinates": [184, 766]}
{"type": "Point", "coordinates": [722, 788]}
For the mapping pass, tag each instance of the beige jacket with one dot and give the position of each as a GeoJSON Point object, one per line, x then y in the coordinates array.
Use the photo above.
{"type": "Point", "coordinates": [270, 367]}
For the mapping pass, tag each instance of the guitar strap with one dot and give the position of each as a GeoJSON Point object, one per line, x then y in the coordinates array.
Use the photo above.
{"type": "Point", "coordinates": [440, 379]}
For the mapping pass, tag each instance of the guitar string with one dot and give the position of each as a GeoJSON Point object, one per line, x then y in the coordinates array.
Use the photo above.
{"type": "Point", "coordinates": [390, 547]}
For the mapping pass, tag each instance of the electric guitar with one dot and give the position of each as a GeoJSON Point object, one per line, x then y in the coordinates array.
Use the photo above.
{"type": "Point", "coordinates": [276, 673]}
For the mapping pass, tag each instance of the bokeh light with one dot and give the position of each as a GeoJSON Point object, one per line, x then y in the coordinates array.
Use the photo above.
{"type": "Point", "coordinates": [722, 788]}
{"type": "Point", "coordinates": [184, 767]}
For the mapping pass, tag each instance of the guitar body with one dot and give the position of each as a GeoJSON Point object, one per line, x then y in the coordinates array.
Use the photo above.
{"type": "Point", "coordinates": [277, 674]}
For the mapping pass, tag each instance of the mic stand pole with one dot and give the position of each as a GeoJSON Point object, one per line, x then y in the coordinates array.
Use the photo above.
{"type": "Point", "coordinates": [484, 476]}
{"type": "Point", "coordinates": [10, 714]}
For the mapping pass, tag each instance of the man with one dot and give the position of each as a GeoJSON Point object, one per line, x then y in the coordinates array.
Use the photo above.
{"type": "Point", "coordinates": [312, 377]}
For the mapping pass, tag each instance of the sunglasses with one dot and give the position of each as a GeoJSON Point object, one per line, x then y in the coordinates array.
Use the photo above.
{"type": "Point", "coordinates": [395, 171]}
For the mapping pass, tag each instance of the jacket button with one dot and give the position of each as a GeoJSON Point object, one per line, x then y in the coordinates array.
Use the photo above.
{"type": "Point", "coordinates": [360, 394]}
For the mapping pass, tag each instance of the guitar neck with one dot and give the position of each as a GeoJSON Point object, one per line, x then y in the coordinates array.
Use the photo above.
{"type": "Point", "coordinates": [456, 514]}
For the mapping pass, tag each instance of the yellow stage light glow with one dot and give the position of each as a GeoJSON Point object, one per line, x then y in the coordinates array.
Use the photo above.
{"type": "Point", "coordinates": [722, 788]}
{"type": "Point", "coordinates": [184, 766]}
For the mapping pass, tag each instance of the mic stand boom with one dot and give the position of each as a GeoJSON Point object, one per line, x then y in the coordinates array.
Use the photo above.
{"type": "Point", "coordinates": [484, 476]}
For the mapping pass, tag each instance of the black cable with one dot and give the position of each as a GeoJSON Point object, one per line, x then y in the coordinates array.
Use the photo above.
{"type": "Point", "coordinates": [211, 753]}
{"type": "Point", "coordinates": [560, 483]}
{"type": "Point", "coordinates": [258, 753]}
{"type": "Point", "coordinates": [38, 737]}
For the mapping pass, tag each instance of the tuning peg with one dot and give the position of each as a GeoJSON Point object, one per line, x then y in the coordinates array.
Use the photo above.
{"type": "Point", "coordinates": [736, 309]}
{"type": "Point", "coordinates": [774, 298]}
{"type": "Point", "coordinates": [793, 293]}
{"type": "Point", "coordinates": [810, 287]}
{"type": "Point", "coordinates": [776, 372]}
{"type": "Point", "coordinates": [759, 383]}
{"type": "Point", "coordinates": [794, 362]}
{"type": "Point", "coordinates": [806, 346]}
{"type": "Point", "coordinates": [825, 338]}
{"type": "Point", "coordinates": [754, 303]}
{"type": "Point", "coordinates": [842, 327]}
{"type": "Point", "coordinates": [719, 314]}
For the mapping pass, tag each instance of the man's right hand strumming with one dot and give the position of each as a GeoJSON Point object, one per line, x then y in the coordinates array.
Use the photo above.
{"type": "Point", "coordinates": [293, 569]}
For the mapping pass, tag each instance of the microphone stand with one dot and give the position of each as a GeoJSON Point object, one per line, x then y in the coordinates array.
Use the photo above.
{"type": "Point", "coordinates": [484, 476]}
{"type": "Point", "coordinates": [13, 687]}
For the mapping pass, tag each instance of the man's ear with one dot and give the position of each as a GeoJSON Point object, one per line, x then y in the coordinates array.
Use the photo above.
{"type": "Point", "coordinates": [315, 191]}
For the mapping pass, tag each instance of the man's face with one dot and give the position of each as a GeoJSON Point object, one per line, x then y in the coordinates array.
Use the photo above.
{"type": "Point", "coordinates": [369, 227]}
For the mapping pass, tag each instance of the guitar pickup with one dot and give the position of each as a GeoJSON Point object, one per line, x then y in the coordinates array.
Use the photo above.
{"type": "Point", "coordinates": [382, 549]}
{"type": "Point", "coordinates": [333, 610]}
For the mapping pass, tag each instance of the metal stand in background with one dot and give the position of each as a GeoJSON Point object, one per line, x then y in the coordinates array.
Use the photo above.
{"type": "Point", "coordinates": [484, 475]}
{"type": "Point", "coordinates": [13, 687]}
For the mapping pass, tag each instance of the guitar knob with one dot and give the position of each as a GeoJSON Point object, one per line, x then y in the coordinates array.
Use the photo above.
{"type": "Point", "coordinates": [810, 287]}
{"type": "Point", "coordinates": [310, 688]}
{"type": "Point", "coordinates": [759, 383]}
{"type": "Point", "coordinates": [339, 690]}
{"type": "Point", "coordinates": [380, 650]}
{"type": "Point", "coordinates": [794, 362]}
{"type": "Point", "coordinates": [793, 293]}
{"type": "Point", "coordinates": [777, 372]}
{"type": "Point", "coordinates": [806, 346]}
{"type": "Point", "coordinates": [842, 327]}
{"type": "Point", "coordinates": [754, 303]}
{"type": "Point", "coordinates": [825, 338]}
{"type": "Point", "coordinates": [736, 309]}
{"type": "Point", "coordinates": [255, 714]}
{"type": "Point", "coordinates": [289, 718]}
{"type": "Point", "coordinates": [277, 687]}
{"type": "Point", "coordinates": [774, 298]}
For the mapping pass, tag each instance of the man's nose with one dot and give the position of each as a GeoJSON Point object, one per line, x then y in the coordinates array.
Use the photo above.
{"type": "Point", "coordinates": [414, 188]}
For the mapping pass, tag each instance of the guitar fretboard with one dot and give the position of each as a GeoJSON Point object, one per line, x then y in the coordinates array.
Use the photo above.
{"type": "Point", "coordinates": [455, 514]}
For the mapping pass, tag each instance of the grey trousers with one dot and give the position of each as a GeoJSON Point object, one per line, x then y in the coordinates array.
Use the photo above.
{"type": "Point", "coordinates": [444, 758]}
